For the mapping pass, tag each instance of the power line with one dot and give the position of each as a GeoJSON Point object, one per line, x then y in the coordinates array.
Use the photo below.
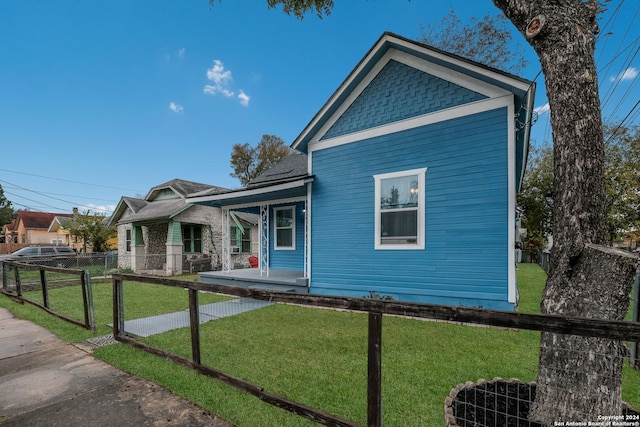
{"type": "Point", "coordinates": [603, 32]}
{"type": "Point", "coordinates": [622, 122]}
{"type": "Point", "coordinates": [618, 78]}
{"type": "Point", "coordinates": [31, 200]}
{"type": "Point", "coordinates": [67, 180]}
{"type": "Point", "coordinates": [45, 195]}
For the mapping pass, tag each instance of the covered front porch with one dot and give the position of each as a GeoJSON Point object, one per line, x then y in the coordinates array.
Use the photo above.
{"type": "Point", "coordinates": [277, 280]}
{"type": "Point", "coordinates": [280, 199]}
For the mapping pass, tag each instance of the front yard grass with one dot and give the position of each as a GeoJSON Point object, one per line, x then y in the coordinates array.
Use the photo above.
{"type": "Point", "coordinates": [318, 357]}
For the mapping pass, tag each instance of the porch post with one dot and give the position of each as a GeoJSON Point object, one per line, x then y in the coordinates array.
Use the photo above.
{"type": "Point", "coordinates": [264, 240]}
{"type": "Point", "coordinates": [138, 250]}
{"type": "Point", "coordinates": [226, 251]}
{"type": "Point", "coordinates": [305, 210]}
{"type": "Point", "coordinates": [174, 248]}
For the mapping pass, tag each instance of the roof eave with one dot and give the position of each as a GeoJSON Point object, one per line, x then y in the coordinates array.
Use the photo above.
{"type": "Point", "coordinates": [219, 200]}
{"type": "Point", "coordinates": [529, 102]}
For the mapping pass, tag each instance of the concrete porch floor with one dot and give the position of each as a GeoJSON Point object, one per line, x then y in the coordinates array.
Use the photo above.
{"type": "Point", "coordinates": [277, 280]}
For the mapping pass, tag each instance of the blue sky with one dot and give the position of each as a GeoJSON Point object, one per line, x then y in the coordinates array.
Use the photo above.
{"type": "Point", "coordinates": [100, 100]}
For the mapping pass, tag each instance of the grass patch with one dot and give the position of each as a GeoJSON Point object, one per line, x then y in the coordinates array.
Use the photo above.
{"type": "Point", "coordinates": [318, 357]}
{"type": "Point", "coordinates": [143, 300]}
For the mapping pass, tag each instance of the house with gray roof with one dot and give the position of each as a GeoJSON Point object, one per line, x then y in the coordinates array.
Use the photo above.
{"type": "Point", "coordinates": [406, 189]}
{"type": "Point", "coordinates": [163, 234]}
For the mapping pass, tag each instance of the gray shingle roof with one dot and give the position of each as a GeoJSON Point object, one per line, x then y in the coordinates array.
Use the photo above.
{"type": "Point", "coordinates": [184, 188]}
{"type": "Point", "coordinates": [135, 204]}
{"type": "Point", "coordinates": [159, 209]}
{"type": "Point", "coordinates": [290, 167]}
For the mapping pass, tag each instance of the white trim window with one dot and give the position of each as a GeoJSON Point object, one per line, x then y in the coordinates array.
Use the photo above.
{"type": "Point", "coordinates": [399, 209]}
{"type": "Point", "coordinates": [285, 228]}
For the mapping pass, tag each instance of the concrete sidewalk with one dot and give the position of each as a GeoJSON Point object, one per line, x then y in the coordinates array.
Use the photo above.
{"type": "Point", "coordinates": [153, 325]}
{"type": "Point", "coordinates": [45, 381]}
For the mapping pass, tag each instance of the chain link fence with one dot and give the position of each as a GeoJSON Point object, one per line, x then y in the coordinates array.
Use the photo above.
{"type": "Point", "coordinates": [100, 264]}
{"type": "Point", "coordinates": [104, 264]}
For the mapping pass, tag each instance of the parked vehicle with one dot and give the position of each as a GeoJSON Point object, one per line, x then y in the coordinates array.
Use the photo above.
{"type": "Point", "coordinates": [33, 253]}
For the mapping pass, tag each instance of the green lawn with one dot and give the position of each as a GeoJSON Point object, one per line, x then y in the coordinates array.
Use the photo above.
{"type": "Point", "coordinates": [318, 357]}
{"type": "Point", "coordinates": [142, 300]}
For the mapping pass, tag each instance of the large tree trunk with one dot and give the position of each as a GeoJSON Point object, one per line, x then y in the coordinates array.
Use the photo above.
{"type": "Point", "coordinates": [578, 378]}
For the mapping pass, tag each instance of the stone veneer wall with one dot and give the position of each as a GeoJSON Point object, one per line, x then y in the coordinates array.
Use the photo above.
{"type": "Point", "coordinates": [124, 257]}
{"type": "Point", "coordinates": [155, 238]}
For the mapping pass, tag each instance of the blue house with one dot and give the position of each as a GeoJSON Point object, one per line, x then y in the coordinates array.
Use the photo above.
{"type": "Point", "coordinates": [405, 185]}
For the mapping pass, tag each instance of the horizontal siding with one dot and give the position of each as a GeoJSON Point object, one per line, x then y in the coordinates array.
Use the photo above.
{"type": "Point", "coordinates": [287, 259]}
{"type": "Point", "coordinates": [465, 260]}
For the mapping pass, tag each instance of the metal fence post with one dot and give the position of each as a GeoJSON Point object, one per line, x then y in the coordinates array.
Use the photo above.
{"type": "Point", "coordinates": [194, 323]}
{"type": "Point", "coordinates": [18, 283]}
{"type": "Point", "coordinates": [374, 392]}
{"type": "Point", "coordinates": [118, 308]}
{"type": "Point", "coordinates": [85, 299]}
{"type": "Point", "coordinates": [5, 278]}
{"type": "Point", "coordinates": [45, 291]}
{"type": "Point", "coordinates": [92, 318]}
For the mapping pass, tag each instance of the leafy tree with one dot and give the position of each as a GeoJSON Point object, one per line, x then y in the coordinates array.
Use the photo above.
{"type": "Point", "coordinates": [7, 213]}
{"type": "Point", "coordinates": [486, 40]}
{"type": "Point", "coordinates": [622, 180]}
{"type": "Point", "coordinates": [93, 229]}
{"type": "Point", "coordinates": [534, 199]}
{"type": "Point", "coordinates": [248, 162]}
{"type": "Point", "coordinates": [586, 279]}
{"type": "Point", "coordinates": [622, 186]}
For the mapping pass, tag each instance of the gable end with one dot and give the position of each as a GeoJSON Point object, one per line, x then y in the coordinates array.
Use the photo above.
{"type": "Point", "coordinates": [399, 92]}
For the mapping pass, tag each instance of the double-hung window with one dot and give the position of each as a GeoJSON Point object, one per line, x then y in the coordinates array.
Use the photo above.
{"type": "Point", "coordinates": [241, 239]}
{"type": "Point", "coordinates": [192, 238]}
{"type": "Point", "coordinates": [399, 209]}
{"type": "Point", "coordinates": [285, 228]}
{"type": "Point", "coordinates": [128, 240]}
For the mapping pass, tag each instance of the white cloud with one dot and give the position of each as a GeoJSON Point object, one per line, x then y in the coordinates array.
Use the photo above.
{"type": "Point", "coordinates": [628, 74]}
{"type": "Point", "coordinates": [221, 79]}
{"type": "Point", "coordinates": [176, 108]}
{"type": "Point", "coordinates": [541, 109]}
{"type": "Point", "coordinates": [218, 74]}
{"type": "Point", "coordinates": [244, 98]}
{"type": "Point", "coordinates": [181, 52]}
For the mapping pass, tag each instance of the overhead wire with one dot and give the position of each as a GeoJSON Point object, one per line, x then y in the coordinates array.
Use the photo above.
{"type": "Point", "coordinates": [619, 77]}
{"type": "Point", "coordinates": [46, 195]}
{"type": "Point", "coordinates": [622, 122]}
{"type": "Point", "coordinates": [604, 70]}
{"type": "Point", "coordinates": [52, 195]}
{"type": "Point", "coordinates": [624, 69]}
{"type": "Point", "coordinates": [31, 200]}
{"type": "Point", "coordinates": [67, 180]}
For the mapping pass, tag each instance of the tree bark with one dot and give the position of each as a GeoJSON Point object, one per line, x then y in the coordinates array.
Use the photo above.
{"type": "Point", "coordinates": [580, 378]}
{"type": "Point", "coordinates": [585, 280]}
